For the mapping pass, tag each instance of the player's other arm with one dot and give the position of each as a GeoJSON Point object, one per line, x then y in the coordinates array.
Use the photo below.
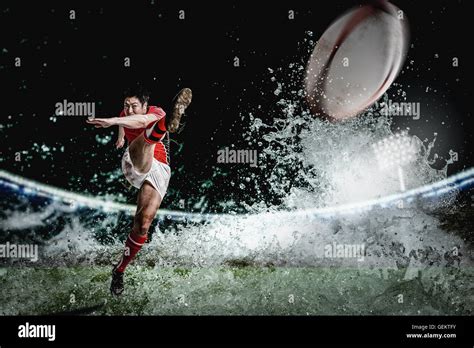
{"type": "Point", "coordinates": [121, 138]}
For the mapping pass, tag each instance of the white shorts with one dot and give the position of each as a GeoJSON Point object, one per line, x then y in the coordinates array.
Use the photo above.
{"type": "Point", "coordinates": [158, 175]}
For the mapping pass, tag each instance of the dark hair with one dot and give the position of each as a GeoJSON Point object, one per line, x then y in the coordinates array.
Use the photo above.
{"type": "Point", "coordinates": [138, 92]}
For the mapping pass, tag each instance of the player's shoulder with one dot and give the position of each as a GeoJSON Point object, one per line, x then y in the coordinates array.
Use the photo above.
{"type": "Point", "coordinates": [153, 109]}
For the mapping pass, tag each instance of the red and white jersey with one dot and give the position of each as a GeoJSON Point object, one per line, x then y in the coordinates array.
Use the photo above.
{"type": "Point", "coordinates": [162, 147]}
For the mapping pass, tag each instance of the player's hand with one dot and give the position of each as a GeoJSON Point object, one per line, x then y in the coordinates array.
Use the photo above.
{"type": "Point", "coordinates": [102, 122]}
{"type": "Point", "coordinates": [119, 143]}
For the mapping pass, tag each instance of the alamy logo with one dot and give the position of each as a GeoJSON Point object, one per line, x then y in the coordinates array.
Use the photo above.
{"type": "Point", "coordinates": [66, 108]}
{"type": "Point", "coordinates": [237, 156]}
{"type": "Point", "coordinates": [37, 331]}
{"type": "Point", "coordinates": [21, 251]}
{"type": "Point", "coordinates": [400, 109]}
{"type": "Point", "coordinates": [345, 251]}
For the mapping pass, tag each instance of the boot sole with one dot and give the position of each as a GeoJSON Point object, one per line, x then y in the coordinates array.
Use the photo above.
{"type": "Point", "coordinates": [180, 103]}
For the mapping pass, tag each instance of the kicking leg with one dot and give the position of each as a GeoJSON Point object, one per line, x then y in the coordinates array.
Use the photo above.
{"type": "Point", "coordinates": [142, 147]}
{"type": "Point", "coordinates": [148, 202]}
{"type": "Point", "coordinates": [141, 154]}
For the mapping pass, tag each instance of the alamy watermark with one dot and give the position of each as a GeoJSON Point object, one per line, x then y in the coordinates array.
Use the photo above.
{"type": "Point", "coordinates": [19, 251]}
{"type": "Point", "coordinates": [28, 330]}
{"type": "Point", "coordinates": [400, 109]}
{"type": "Point", "coordinates": [345, 251]}
{"type": "Point", "coordinates": [227, 155]}
{"type": "Point", "coordinates": [66, 108]}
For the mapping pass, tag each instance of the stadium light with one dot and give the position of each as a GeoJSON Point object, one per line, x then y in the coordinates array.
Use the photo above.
{"type": "Point", "coordinates": [395, 151]}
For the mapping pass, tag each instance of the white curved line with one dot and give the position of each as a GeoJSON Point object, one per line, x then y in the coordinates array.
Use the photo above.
{"type": "Point", "coordinates": [68, 198]}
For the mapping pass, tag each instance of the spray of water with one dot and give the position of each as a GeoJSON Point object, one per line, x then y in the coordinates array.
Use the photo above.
{"type": "Point", "coordinates": [304, 162]}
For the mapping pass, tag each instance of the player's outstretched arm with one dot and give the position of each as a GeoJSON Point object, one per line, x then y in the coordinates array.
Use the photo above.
{"type": "Point", "coordinates": [132, 122]}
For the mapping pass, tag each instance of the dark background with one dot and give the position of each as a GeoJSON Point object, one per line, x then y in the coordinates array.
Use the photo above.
{"type": "Point", "coordinates": [82, 60]}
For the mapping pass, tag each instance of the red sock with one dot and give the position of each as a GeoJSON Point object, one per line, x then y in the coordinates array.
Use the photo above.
{"type": "Point", "coordinates": [132, 246]}
{"type": "Point", "coordinates": [155, 132]}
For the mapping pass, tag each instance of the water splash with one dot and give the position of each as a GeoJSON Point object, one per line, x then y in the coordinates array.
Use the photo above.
{"type": "Point", "coordinates": [304, 162]}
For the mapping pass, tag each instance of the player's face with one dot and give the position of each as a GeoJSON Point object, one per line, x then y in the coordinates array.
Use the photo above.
{"type": "Point", "coordinates": [132, 106]}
